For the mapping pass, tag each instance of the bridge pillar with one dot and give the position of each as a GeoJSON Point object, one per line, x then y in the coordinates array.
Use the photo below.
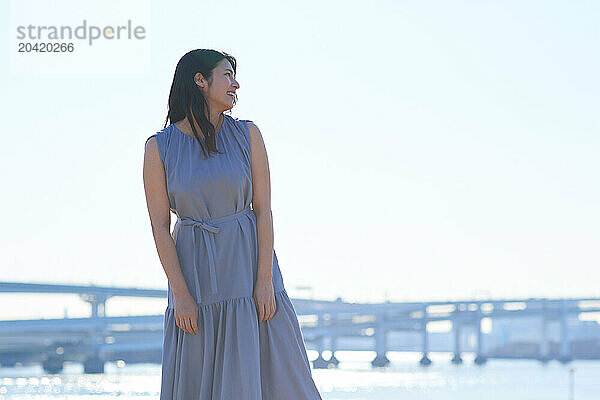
{"type": "Point", "coordinates": [380, 359]}
{"type": "Point", "coordinates": [425, 361]}
{"type": "Point", "coordinates": [544, 352]}
{"type": "Point", "coordinates": [565, 345]}
{"type": "Point", "coordinates": [456, 327]}
{"type": "Point", "coordinates": [333, 361]}
{"type": "Point", "coordinates": [320, 362]}
{"type": "Point", "coordinates": [94, 364]}
{"type": "Point", "coordinates": [53, 363]}
{"type": "Point", "coordinates": [98, 304]}
{"type": "Point", "coordinates": [480, 358]}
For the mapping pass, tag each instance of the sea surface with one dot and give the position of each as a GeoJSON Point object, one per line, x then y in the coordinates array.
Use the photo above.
{"type": "Point", "coordinates": [403, 379]}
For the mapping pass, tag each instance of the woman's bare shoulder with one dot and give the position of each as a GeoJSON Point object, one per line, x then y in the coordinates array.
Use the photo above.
{"type": "Point", "coordinates": [255, 133]}
{"type": "Point", "coordinates": [151, 147]}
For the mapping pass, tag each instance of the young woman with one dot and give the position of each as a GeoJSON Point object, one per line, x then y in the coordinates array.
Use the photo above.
{"type": "Point", "coordinates": [230, 330]}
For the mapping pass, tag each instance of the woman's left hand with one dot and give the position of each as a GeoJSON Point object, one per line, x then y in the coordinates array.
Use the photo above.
{"type": "Point", "coordinates": [264, 298]}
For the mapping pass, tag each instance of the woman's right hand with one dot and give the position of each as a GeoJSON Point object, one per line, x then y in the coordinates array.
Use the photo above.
{"type": "Point", "coordinates": [186, 313]}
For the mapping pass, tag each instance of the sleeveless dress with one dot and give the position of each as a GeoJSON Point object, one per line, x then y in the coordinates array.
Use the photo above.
{"type": "Point", "coordinates": [232, 357]}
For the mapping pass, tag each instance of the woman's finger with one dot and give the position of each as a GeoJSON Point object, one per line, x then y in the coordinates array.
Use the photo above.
{"type": "Point", "coordinates": [181, 324]}
{"type": "Point", "coordinates": [274, 308]}
{"type": "Point", "coordinates": [259, 312]}
{"type": "Point", "coordinates": [194, 321]}
{"type": "Point", "coordinates": [188, 325]}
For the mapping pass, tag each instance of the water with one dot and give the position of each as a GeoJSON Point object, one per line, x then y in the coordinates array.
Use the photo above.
{"type": "Point", "coordinates": [404, 379]}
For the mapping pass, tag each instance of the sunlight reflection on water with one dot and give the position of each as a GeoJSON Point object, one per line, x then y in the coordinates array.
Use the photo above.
{"type": "Point", "coordinates": [354, 379]}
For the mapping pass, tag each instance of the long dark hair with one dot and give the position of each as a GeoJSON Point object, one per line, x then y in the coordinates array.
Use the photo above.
{"type": "Point", "coordinates": [186, 99]}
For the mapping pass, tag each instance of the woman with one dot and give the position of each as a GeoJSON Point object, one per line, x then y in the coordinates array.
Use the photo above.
{"type": "Point", "coordinates": [230, 330]}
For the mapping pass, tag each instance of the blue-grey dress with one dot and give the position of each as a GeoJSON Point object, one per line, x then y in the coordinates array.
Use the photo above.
{"type": "Point", "coordinates": [233, 357]}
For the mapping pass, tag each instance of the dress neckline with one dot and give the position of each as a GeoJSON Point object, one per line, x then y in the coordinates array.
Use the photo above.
{"type": "Point", "coordinates": [217, 134]}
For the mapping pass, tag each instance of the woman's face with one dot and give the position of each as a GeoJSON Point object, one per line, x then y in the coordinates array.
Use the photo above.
{"type": "Point", "coordinates": [219, 94]}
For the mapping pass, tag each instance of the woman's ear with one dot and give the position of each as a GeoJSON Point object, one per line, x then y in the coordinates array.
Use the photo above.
{"type": "Point", "coordinates": [199, 80]}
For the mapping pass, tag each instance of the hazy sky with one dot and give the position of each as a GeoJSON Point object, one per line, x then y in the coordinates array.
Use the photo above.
{"type": "Point", "coordinates": [418, 150]}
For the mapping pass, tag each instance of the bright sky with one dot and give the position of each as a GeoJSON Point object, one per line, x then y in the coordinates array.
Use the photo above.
{"type": "Point", "coordinates": [418, 150]}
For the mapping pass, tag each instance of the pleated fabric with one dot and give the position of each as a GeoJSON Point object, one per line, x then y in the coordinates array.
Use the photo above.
{"type": "Point", "coordinates": [232, 356]}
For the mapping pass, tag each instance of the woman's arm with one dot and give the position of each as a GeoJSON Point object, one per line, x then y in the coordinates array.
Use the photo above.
{"type": "Point", "coordinates": [157, 201]}
{"type": "Point", "coordinates": [261, 204]}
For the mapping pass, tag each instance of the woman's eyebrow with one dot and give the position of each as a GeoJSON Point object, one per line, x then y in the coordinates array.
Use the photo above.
{"type": "Point", "coordinates": [227, 69]}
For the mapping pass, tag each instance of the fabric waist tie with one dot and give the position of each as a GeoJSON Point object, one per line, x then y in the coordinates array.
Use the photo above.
{"type": "Point", "coordinates": [208, 229]}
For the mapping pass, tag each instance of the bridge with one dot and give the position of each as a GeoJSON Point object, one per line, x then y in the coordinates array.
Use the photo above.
{"type": "Point", "coordinates": [327, 326]}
